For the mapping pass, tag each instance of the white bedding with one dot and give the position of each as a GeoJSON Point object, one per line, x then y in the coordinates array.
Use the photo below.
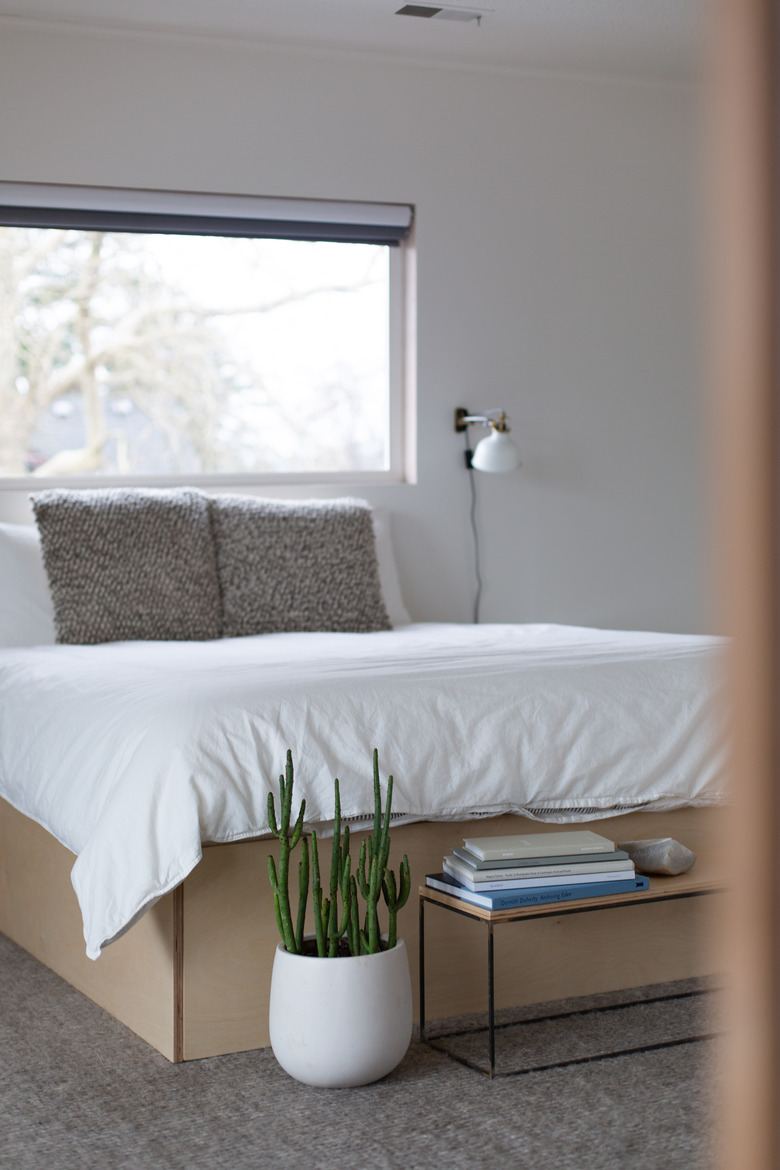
{"type": "Point", "coordinates": [132, 754]}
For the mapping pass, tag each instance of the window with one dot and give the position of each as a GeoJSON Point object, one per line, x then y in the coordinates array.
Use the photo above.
{"type": "Point", "coordinates": [153, 335]}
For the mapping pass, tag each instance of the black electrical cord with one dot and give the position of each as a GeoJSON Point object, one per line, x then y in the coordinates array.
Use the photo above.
{"type": "Point", "coordinates": [474, 532]}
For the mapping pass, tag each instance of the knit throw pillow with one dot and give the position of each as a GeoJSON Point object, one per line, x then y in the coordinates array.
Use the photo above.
{"type": "Point", "coordinates": [297, 565]}
{"type": "Point", "coordinates": [129, 564]}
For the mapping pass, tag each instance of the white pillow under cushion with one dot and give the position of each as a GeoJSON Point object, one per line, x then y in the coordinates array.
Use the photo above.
{"type": "Point", "coordinates": [388, 573]}
{"type": "Point", "coordinates": [26, 610]}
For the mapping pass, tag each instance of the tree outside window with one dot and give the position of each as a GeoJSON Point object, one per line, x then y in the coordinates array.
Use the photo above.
{"type": "Point", "coordinates": [148, 354]}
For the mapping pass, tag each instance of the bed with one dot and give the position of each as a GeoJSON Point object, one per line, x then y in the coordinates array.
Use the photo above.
{"type": "Point", "coordinates": [134, 776]}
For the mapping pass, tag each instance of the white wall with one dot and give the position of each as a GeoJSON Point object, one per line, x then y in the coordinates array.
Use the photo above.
{"type": "Point", "coordinates": [556, 278]}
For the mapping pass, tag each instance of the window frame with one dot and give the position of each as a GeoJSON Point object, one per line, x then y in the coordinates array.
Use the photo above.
{"type": "Point", "coordinates": [133, 209]}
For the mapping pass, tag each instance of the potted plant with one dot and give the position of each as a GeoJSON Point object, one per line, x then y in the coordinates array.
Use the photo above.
{"type": "Point", "coordinates": [341, 1000]}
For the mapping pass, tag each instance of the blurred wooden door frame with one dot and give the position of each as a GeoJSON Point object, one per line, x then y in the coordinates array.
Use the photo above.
{"type": "Point", "coordinates": [743, 380]}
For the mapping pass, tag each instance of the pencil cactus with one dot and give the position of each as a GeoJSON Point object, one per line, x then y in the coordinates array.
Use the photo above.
{"type": "Point", "coordinates": [337, 916]}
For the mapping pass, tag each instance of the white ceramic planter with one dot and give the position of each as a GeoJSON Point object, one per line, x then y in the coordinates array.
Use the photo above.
{"type": "Point", "coordinates": [340, 1022]}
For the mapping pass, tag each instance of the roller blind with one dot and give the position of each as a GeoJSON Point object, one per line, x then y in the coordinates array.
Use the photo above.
{"type": "Point", "coordinates": [189, 213]}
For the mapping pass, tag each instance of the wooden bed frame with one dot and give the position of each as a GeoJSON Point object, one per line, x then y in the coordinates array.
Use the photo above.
{"type": "Point", "coordinates": [192, 976]}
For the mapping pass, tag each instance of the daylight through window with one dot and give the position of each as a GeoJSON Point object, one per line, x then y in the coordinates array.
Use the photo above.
{"type": "Point", "coordinates": [158, 353]}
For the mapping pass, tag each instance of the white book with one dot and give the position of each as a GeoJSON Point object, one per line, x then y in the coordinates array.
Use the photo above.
{"type": "Point", "coordinates": [538, 845]}
{"type": "Point", "coordinates": [535, 875]}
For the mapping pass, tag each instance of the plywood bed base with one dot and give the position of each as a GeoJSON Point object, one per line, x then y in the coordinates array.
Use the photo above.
{"type": "Point", "coordinates": [192, 976]}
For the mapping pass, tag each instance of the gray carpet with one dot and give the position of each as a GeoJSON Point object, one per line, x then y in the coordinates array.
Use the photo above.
{"type": "Point", "coordinates": [78, 1091]}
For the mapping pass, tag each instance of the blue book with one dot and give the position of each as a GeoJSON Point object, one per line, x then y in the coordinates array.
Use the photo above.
{"type": "Point", "coordinates": [536, 896]}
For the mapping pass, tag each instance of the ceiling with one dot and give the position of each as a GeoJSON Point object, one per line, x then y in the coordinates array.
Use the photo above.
{"type": "Point", "coordinates": [647, 37]}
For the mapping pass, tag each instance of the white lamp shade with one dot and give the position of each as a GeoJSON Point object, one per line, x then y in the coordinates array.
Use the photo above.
{"type": "Point", "coordinates": [496, 453]}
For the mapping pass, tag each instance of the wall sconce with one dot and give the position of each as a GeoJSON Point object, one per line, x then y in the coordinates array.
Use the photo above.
{"type": "Point", "coordinates": [496, 453]}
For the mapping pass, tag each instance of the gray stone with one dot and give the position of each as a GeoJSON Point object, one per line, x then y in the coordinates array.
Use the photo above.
{"type": "Point", "coordinates": [659, 855]}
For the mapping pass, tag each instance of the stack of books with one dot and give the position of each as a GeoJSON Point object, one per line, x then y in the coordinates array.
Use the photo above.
{"type": "Point", "coordinates": [502, 873]}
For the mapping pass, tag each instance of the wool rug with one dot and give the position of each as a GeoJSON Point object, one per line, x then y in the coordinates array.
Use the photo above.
{"type": "Point", "coordinates": [625, 1080]}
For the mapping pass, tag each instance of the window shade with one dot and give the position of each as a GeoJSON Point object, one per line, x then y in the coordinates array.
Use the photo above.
{"type": "Point", "coordinates": [189, 213]}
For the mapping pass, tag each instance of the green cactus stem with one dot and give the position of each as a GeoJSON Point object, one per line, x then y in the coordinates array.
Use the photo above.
{"type": "Point", "coordinates": [335, 868]}
{"type": "Point", "coordinates": [340, 870]}
{"type": "Point", "coordinates": [345, 857]}
{"type": "Point", "coordinates": [275, 887]}
{"type": "Point", "coordinates": [372, 915]}
{"type": "Point", "coordinates": [395, 898]}
{"type": "Point", "coordinates": [287, 842]}
{"type": "Point", "coordinates": [369, 879]}
{"type": "Point", "coordinates": [339, 928]}
{"type": "Point", "coordinates": [377, 800]}
{"type": "Point", "coordinates": [303, 894]}
{"type": "Point", "coordinates": [319, 919]}
{"type": "Point", "coordinates": [373, 873]}
{"type": "Point", "coordinates": [353, 926]}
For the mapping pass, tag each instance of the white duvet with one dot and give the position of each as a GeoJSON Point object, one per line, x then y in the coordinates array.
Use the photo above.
{"type": "Point", "coordinates": [132, 754]}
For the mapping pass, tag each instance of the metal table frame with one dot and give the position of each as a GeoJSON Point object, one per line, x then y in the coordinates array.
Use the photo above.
{"type": "Point", "coordinates": [526, 913]}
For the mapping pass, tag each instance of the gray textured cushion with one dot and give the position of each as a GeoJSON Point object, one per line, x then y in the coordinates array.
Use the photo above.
{"type": "Point", "coordinates": [129, 564]}
{"type": "Point", "coordinates": [297, 565]}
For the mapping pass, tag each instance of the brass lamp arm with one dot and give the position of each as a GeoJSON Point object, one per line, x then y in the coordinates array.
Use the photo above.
{"type": "Point", "coordinates": [491, 418]}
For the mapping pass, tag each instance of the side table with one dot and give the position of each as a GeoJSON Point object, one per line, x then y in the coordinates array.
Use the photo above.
{"type": "Point", "coordinates": [661, 889]}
